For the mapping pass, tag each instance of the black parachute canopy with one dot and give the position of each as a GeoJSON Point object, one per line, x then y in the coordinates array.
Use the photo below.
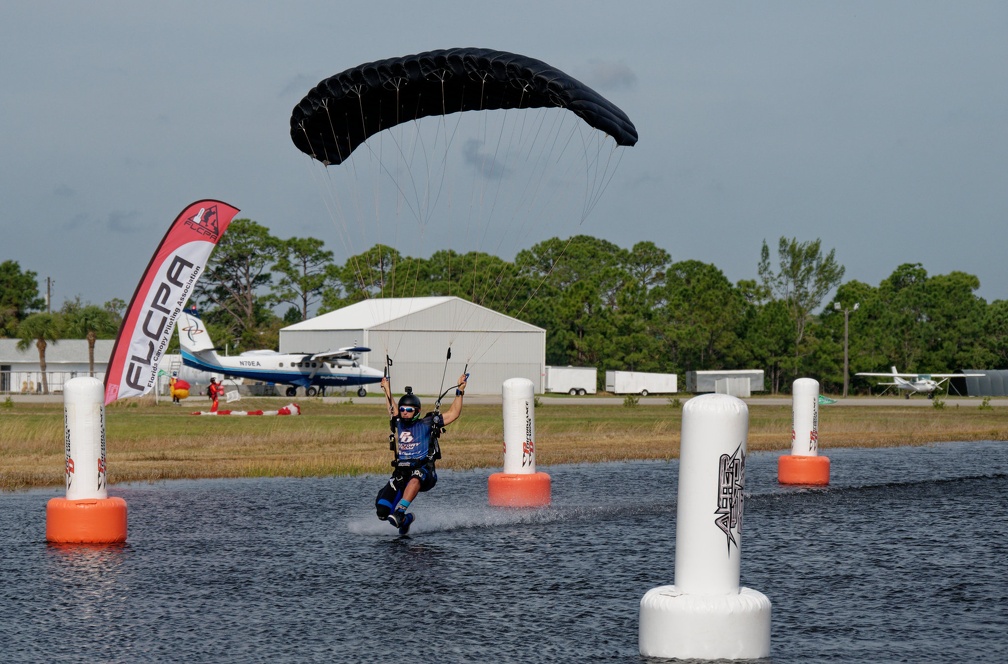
{"type": "Point", "coordinates": [344, 110]}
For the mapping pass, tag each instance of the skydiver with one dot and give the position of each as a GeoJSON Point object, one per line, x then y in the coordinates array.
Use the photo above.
{"type": "Point", "coordinates": [214, 391]}
{"type": "Point", "coordinates": [414, 439]}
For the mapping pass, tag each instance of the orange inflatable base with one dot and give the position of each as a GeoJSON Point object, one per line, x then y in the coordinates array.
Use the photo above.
{"type": "Point", "coordinates": [806, 470]}
{"type": "Point", "coordinates": [86, 521]}
{"type": "Point", "coordinates": [519, 490]}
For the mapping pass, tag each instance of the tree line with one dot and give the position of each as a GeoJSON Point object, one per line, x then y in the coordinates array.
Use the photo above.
{"type": "Point", "coordinates": [601, 305]}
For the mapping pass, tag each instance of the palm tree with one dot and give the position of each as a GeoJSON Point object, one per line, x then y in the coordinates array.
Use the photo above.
{"type": "Point", "coordinates": [40, 328]}
{"type": "Point", "coordinates": [89, 321]}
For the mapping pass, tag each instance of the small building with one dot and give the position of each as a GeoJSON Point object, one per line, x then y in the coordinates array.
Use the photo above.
{"type": "Point", "coordinates": [21, 372]}
{"type": "Point", "coordinates": [989, 383]}
{"type": "Point", "coordinates": [731, 381]}
{"type": "Point", "coordinates": [417, 333]}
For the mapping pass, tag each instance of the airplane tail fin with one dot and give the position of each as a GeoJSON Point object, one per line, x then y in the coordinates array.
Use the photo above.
{"type": "Point", "coordinates": [894, 370]}
{"type": "Point", "coordinates": [193, 336]}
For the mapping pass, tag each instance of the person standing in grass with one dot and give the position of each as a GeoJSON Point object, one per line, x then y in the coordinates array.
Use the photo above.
{"type": "Point", "coordinates": [214, 391]}
{"type": "Point", "coordinates": [414, 439]}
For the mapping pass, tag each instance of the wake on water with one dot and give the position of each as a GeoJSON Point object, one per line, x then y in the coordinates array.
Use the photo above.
{"type": "Point", "coordinates": [436, 519]}
{"type": "Point", "coordinates": [445, 518]}
{"type": "Point", "coordinates": [881, 470]}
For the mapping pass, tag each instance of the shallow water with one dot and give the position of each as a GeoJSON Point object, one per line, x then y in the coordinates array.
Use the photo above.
{"type": "Point", "coordinates": [900, 559]}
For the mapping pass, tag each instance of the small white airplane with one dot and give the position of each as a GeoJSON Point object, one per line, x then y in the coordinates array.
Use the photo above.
{"type": "Point", "coordinates": [312, 371]}
{"type": "Point", "coordinates": [913, 383]}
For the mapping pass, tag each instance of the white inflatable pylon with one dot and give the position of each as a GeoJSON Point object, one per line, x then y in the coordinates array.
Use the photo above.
{"type": "Point", "coordinates": [705, 614]}
{"type": "Point", "coordinates": [87, 515]}
{"type": "Point", "coordinates": [804, 466]}
{"type": "Point", "coordinates": [519, 485]}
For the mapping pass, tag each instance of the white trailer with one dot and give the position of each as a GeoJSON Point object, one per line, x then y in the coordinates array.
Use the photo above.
{"type": "Point", "coordinates": [570, 380]}
{"type": "Point", "coordinates": [638, 382]}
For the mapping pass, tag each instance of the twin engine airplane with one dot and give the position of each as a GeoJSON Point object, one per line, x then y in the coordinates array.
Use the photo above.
{"type": "Point", "coordinates": [917, 383]}
{"type": "Point", "coordinates": [312, 371]}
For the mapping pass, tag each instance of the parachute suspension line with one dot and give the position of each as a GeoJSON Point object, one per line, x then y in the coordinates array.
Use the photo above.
{"type": "Point", "coordinates": [494, 285]}
{"type": "Point", "coordinates": [338, 216]}
{"type": "Point", "coordinates": [437, 404]}
{"type": "Point", "coordinates": [537, 156]}
{"type": "Point", "coordinates": [372, 272]}
{"type": "Point", "coordinates": [607, 176]}
{"type": "Point", "coordinates": [491, 287]}
{"type": "Point", "coordinates": [384, 168]}
{"type": "Point", "coordinates": [506, 82]}
{"type": "Point", "coordinates": [494, 174]}
{"type": "Point", "coordinates": [599, 172]}
{"type": "Point", "coordinates": [475, 187]}
{"type": "Point", "coordinates": [382, 281]}
{"type": "Point", "coordinates": [542, 281]}
{"type": "Point", "coordinates": [360, 277]}
{"type": "Point", "coordinates": [332, 130]}
{"type": "Point", "coordinates": [403, 284]}
{"type": "Point", "coordinates": [333, 203]}
{"type": "Point", "coordinates": [329, 201]}
{"type": "Point", "coordinates": [444, 372]}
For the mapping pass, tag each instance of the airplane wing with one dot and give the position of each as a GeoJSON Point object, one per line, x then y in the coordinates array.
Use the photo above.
{"type": "Point", "coordinates": [891, 374]}
{"type": "Point", "coordinates": [346, 353]}
{"type": "Point", "coordinates": [956, 375]}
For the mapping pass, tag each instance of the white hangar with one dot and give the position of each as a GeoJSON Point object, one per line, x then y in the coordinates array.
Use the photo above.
{"type": "Point", "coordinates": [21, 370]}
{"type": "Point", "coordinates": [417, 333]}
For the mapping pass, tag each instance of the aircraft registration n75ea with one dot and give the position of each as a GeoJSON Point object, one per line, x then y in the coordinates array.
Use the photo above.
{"type": "Point", "coordinates": [312, 371]}
{"type": "Point", "coordinates": [916, 383]}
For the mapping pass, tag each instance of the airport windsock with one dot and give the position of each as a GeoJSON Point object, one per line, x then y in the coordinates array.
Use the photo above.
{"type": "Point", "coordinates": [160, 296]}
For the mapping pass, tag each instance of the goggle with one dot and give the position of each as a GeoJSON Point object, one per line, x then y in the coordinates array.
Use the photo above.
{"type": "Point", "coordinates": [406, 409]}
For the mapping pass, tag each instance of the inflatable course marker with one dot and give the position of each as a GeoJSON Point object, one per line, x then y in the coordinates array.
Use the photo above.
{"type": "Point", "coordinates": [804, 466]}
{"type": "Point", "coordinates": [519, 485]}
{"type": "Point", "coordinates": [705, 614]}
{"type": "Point", "coordinates": [290, 409]}
{"type": "Point", "coordinates": [87, 515]}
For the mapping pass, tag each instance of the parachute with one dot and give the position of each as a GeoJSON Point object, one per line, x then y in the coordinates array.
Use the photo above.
{"type": "Point", "coordinates": [344, 110]}
{"type": "Point", "coordinates": [441, 170]}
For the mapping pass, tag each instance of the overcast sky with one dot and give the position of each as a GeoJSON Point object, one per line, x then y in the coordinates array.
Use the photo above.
{"type": "Point", "coordinates": [879, 127]}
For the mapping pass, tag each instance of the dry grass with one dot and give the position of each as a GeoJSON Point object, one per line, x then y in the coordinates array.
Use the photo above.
{"type": "Point", "coordinates": [148, 442]}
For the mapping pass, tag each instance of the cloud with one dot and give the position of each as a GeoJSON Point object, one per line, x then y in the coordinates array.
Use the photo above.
{"type": "Point", "coordinates": [297, 87]}
{"type": "Point", "coordinates": [78, 220]}
{"type": "Point", "coordinates": [486, 165]}
{"type": "Point", "coordinates": [123, 222]}
{"type": "Point", "coordinates": [611, 75]}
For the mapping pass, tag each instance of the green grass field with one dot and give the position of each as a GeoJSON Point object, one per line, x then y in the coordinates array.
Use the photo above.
{"type": "Point", "coordinates": [147, 442]}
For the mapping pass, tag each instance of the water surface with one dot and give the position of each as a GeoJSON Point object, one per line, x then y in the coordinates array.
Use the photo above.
{"type": "Point", "coordinates": [900, 559]}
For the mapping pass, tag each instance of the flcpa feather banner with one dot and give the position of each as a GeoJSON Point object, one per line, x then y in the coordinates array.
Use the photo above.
{"type": "Point", "coordinates": [161, 295]}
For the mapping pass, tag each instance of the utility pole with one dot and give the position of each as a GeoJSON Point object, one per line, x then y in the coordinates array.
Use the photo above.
{"type": "Point", "coordinates": [48, 294]}
{"type": "Point", "coordinates": [846, 321]}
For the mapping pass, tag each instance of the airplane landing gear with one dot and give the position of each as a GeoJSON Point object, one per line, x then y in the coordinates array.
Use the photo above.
{"type": "Point", "coordinates": [291, 391]}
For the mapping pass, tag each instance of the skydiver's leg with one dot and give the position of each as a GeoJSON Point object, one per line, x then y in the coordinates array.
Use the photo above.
{"type": "Point", "coordinates": [412, 489]}
{"type": "Point", "coordinates": [399, 518]}
{"type": "Point", "coordinates": [388, 498]}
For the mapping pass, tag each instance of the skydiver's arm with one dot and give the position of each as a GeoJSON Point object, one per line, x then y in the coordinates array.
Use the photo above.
{"type": "Point", "coordinates": [455, 410]}
{"type": "Point", "coordinates": [388, 396]}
